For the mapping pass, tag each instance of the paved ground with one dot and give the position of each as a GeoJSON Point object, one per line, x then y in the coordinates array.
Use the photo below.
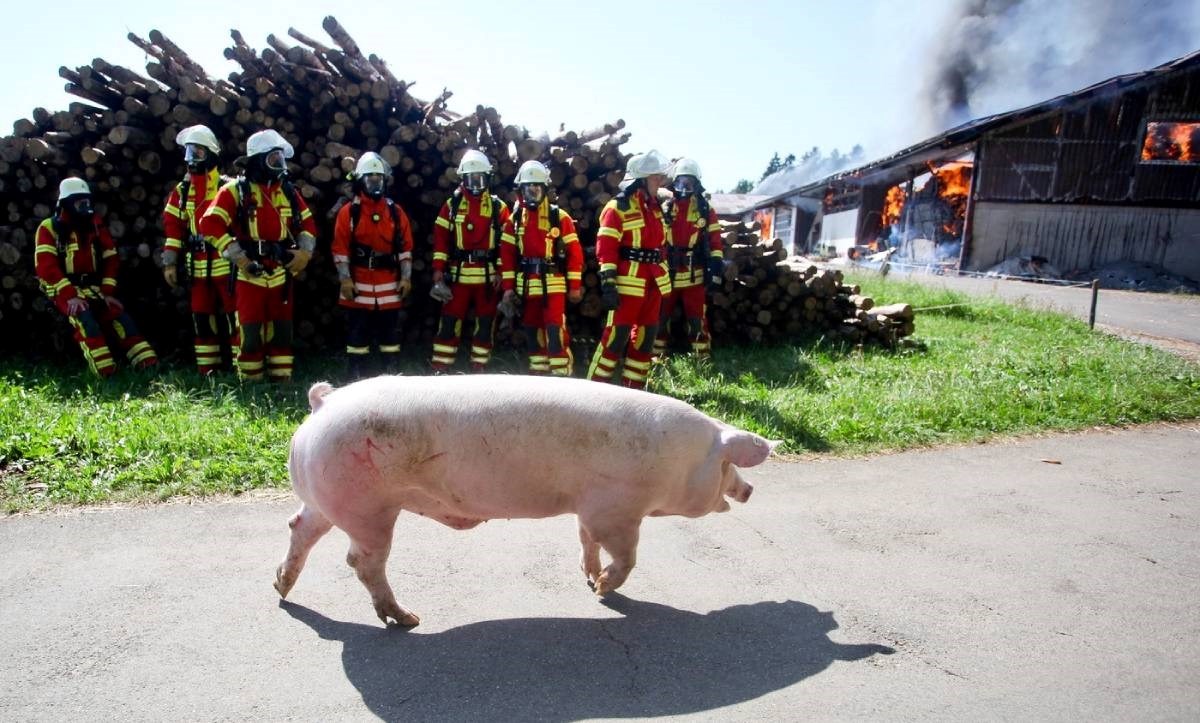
{"type": "Point", "coordinates": [1151, 315]}
{"type": "Point", "coordinates": [1051, 579]}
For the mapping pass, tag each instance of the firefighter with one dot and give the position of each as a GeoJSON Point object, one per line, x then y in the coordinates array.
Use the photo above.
{"type": "Point", "coordinates": [541, 260]}
{"type": "Point", "coordinates": [633, 272]}
{"type": "Point", "coordinates": [695, 257]}
{"type": "Point", "coordinates": [76, 264]}
{"type": "Point", "coordinates": [211, 293]}
{"type": "Point", "coordinates": [260, 223]}
{"type": "Point", "coordinates": [466, 239]}
{"type": "Point", "coordinates": [372, 250]}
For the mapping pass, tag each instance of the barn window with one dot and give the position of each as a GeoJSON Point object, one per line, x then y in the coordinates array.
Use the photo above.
{"type": "Point", "coordinates": [1171, 142]}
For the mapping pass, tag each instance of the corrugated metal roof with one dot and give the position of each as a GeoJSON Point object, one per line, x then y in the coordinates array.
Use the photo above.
{"type": "Point", "coordinates": [959, 138]}
{"type": "Point", "coordinates": [733, 204]}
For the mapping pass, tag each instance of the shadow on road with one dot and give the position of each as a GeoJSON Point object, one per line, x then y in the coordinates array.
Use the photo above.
{"type": "Point", "coordinates": [655, 660]}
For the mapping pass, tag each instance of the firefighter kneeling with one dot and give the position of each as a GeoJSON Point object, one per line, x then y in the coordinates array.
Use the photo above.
{"type": "Point", "coordinates": [540, 254]}
{"type": "Point", "coordinates": [372, 250]}
{"type": "Point", "coordinates": [259, 222]}
{"type": "Point", "coordinates": [76, 264]}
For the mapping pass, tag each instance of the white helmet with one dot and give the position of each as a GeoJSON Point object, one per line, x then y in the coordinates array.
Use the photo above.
{"type": "Point", "coordinates": [646, 164]}
{"type": "Point", "coordinates": [685, 167]}
{"type": "Point", "coordinates": [267, 141]}
{"type": "Point", "coordinates": [200, 136]}
{"type": "Point", "coordinates": [532, 172]}
{"type": "Point", "coordinates": [474, 161]}
{"type": "Point", "coordinates": [371, 162]}
{"type": "Point", "coordinates": [72, 187]}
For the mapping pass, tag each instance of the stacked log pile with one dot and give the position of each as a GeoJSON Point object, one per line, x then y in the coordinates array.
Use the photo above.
{"type": "Point", "coordinates": [770, 297]}
{"type": "Point", "coordinates": [330, 100]}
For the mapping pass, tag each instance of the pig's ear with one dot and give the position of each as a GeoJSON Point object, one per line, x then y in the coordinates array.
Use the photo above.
{"type": "Point", "coordinates": [745, 449]}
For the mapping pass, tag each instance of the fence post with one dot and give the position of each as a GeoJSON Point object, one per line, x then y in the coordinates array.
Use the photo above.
{"type": "Point", "coordinates": [1095, 293]}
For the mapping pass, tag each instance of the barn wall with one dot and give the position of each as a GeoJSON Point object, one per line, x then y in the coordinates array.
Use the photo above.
{"type": "Point", "coordinates": [1086, 236]}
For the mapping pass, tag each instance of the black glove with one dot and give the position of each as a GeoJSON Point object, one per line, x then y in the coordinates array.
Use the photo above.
{"type": "Point", "coordinates": [608, 295]}
{"type": "Point", "coordinates": [716, 271]}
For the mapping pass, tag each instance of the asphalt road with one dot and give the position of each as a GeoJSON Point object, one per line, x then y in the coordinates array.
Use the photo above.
{"type": "Point", "coordinates": [1050, 578]}
{"type": "Point", "coordinates": [1155, 315]}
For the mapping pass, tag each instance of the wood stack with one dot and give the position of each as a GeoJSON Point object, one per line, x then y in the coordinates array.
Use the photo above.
{"type": "Point", "coordinates": [331, 101]}
{"type": "Point", "coordinates": [768, 297]}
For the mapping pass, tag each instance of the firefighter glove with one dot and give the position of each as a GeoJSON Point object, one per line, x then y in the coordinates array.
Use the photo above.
{"type": "Point", "coordinates": [347, 289]}
{"type": "Point", "coordinates": [508, 304]}
{"type": "Point", "coordinates": [608, 295]}
{"type": "Point", "coordinates": [574, 295]}
{"type": "Point", "coordinates": [716, 270]}
{"type": "Point", "coordinates": [441, 292]}
{"type": "Point", "coordinates": [114, 303]}
{"type": "Point", "coordinates": [171, 275]}
{"type": "Point", "coordinates": [300, 259]}
{"type": "Point", "coordinates": [76, 306]}
{"type": "Point", "coordinates": [405, 287]}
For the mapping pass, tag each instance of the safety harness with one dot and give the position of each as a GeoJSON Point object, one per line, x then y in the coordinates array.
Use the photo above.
{"type": "Point", "coordinates": [539, 264]}
{"type": "Point", "coordinates": [362, 255]}
{"type": "Point", "coordinates": [461, 256]}
{"type": "Point", "coordinates": [700, 253]}
{"type": "Point", "coordinates": [259, 250]}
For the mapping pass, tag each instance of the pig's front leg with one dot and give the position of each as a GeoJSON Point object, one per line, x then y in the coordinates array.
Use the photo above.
{"type": "Point", "coordinates": [589, 560]}
{"type": "Point", "coordinates": [619, 538]}
{"type": "Point", "coordinates": [308, 525]}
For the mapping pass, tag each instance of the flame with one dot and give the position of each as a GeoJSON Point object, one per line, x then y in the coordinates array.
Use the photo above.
{"type": "Point", "coordinates": [1167, 141]}
{"type": "Point", "coordinates": [893, 204]}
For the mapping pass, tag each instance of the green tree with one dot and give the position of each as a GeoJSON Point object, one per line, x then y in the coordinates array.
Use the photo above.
{"type": "Point", "coordinates": [743, 186]}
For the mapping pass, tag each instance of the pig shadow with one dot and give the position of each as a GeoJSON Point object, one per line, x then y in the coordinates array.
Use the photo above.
{"type": "Point", "coordinates": [655, 660]}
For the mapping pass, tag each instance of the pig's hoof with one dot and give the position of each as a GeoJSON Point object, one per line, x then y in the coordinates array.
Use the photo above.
{"type": "Point", "coordinates": [401, 616]}
{"type": "Point", "coordinates": [282, 586]}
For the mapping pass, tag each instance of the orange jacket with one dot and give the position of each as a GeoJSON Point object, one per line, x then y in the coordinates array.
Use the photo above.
{"type": "Point", "coordinates": [535, 239]}
{"type": "Point", "coordinates": [375, 235]}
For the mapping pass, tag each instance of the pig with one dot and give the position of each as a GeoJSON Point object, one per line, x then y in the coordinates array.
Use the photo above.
{"type": "Point", "coordinates": [465, 449]}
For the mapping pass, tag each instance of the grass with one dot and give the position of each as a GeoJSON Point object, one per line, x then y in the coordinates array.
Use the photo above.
{"type": "Point", "coordinates": [976, 369]}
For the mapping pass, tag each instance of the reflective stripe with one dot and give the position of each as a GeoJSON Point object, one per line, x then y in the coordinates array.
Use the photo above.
{"type": "Point", "coordinates": [447, 348]}
{"type": "Point", "coordinates": [389, 348]}
{"type": "Point", "coordinates": [390, 286]}
{"type": "Point", "coordinates": [358, 350]}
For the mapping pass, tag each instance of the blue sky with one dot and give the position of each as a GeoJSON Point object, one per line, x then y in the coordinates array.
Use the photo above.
{"type": "Point", "coordinates": [727, 83]}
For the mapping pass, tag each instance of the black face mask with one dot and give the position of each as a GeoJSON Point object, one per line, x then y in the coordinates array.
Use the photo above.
{"type": "Point", "coordinates": [373, 185]}
{"type": "Point", "coordinates": [258, 172]}
{"type": "Point", "coordinates": [80, 209]}
{"type": "Point", "coordinates": [199, 159]}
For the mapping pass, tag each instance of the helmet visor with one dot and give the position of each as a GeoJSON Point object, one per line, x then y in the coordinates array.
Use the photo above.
{"type": "Point", "coordinates": [373, 184]}
{"type": "Point", "coordinates": [194, 154]}
{"type": "Point", "coordinates": [475, 182]}
{"type": "Point", "coordinates": [276, 161]}
{"type": "Point", "coordinates": [80, 205]}
{"type": "Point", "coordinates": [532, 193]}
{"type": "Point", "coordinates": [685, 185]}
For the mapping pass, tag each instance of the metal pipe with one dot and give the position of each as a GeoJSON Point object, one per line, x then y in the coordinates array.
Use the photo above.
{"type": "Point", "coordinates": [1095, 293]}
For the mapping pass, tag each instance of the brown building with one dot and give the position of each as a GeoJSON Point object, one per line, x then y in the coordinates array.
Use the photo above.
{"type": "Point", "coordinates": [1105, 174]}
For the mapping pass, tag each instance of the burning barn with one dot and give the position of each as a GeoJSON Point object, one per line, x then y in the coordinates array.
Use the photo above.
{"type": "Point", "coordinates": [1109, 173]}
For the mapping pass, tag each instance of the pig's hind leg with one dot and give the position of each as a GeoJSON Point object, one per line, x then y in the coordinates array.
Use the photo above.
{"type": "Point", "coordinates": [308, 525]}
{"type": "Point", "coordinates": [370, 543]}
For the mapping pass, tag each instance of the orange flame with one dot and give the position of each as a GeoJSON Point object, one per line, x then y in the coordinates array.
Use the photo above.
{"type": "Point", "coordinates": [1172, 142]}
{"type": "Point", "coordinates": [893, 204]}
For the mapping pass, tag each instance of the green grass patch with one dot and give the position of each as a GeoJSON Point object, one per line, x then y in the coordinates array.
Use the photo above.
{"type": "Point", "coordinates": [974, 370]}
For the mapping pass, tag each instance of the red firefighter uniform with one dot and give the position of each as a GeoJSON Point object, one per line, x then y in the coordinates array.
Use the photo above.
{"type": "Point", "coordinates": [374, 238]}
{"type": "Point", "coordinates": [541, 260]}
{"type": "Point", "coordinates": [74, 264]}
{"type": "Point", "coordinates": [211, 294]}
{"type": "Point", "coordinates": [630, 245]}
{"type": "Point", "coordinates": [466, 235]}
{"type": "Point", "coordinates": [262, 218]}
{"type": "Point", "coordinates": [695, 241]}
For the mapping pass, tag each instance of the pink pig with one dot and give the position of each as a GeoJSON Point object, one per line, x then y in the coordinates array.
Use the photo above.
{"type": "Point", "coordinates": [465, 449]}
